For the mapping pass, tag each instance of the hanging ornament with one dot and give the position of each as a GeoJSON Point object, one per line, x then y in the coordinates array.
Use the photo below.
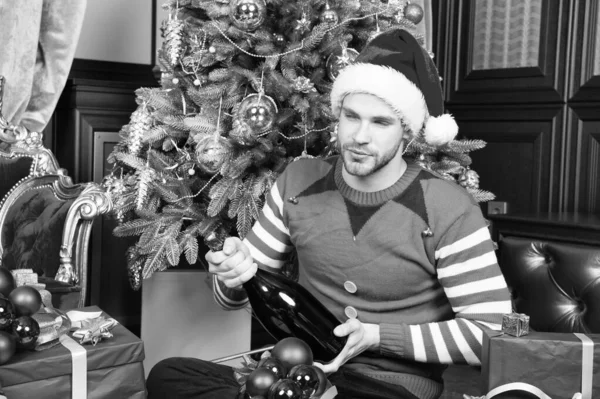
{"type": "Point", "coordinates": [302, 84]}
{"type": "Point", "coordinates": [329, 16]}
{"type": "Point", "coordinates": [303, 24]}
{"type": "Point", "coordinates": [278, 39]}
{"type": "Point", "coordinates": [258, 111]}
{"type": "Point", "coordinates": [141, 122]}
{"type": "Point", "coordinates": [26, 330]}
{"type": "Point", "coordinates": [469, 179]}
{"type": "Point", "coordinates": [248, 15]}
{"type": "Point", "coordinates": [211, 152]}
{"type": "Point", "coordinates": [413, 13]}
{"type": "Point", "coordinates": [174, 39]}
{"type": "Point", "coordinates": [339, 60]}
{"type": "Point", "coordinates": [135, 264]}
{"type": "Point", "coordinates": [145, 178]}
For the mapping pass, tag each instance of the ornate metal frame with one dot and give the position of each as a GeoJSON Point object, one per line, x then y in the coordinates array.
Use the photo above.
{"type": "Point", "coordinates": [90, 201]}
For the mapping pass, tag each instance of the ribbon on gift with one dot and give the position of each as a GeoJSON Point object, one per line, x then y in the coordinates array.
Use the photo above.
{"type": "Point", "coordinates": [587, 373]}
{"type": "Point", "coordinates": [91, 326]}
{"type": "Point", "coordinates": [79, 367]}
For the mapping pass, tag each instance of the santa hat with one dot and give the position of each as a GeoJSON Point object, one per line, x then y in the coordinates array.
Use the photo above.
{"type": "Point", "coordinates": [395, 68]}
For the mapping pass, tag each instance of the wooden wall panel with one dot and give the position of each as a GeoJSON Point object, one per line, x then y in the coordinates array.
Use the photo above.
{"type": "Point", "coordinates": [522, 146]}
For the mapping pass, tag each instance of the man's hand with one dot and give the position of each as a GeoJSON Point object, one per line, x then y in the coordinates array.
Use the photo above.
{"type": "Point", "coordinates": [233, 265]}
{"type": "Point", "coordinates": [361, 337]}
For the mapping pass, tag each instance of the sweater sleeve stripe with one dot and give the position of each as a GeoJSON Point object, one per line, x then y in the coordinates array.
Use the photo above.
{"type": "Point", "coordinates": [453, 350]}
{"type": "Point", "coordinates": [501, 307]}
{"type": "Point", "coordinates": [431, 353]}
{"type": "Point", "coordinates": [228, 298]}
{"type": "Point", "coordinates": [464, 340]}
{"type": "Point", "coordinates": [417, 343]}
{"type": "Point", "coordinates": [478, 262]}
{"type": "Point", "coordinates": [488, 284]}
{"type": "Point", "coordinates": [282, 232]}
{"type": "Point", "coordinates": [441, 347]}
{"type": "Point", "coordinates": [270, 240]}
{"type": "Point", "coordinates": [467, 242]}
{"type": "Point", "coordinates": [261, 258]}
{"type": "Point", "coordinates": [474, 276]}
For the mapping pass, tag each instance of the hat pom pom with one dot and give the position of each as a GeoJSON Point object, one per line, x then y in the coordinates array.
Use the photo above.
{"type": "Point", "coordinates": [440, 130]}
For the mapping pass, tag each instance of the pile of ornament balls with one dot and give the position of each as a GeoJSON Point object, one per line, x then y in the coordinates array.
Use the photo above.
{"type": "Point", "coordinates": [18, 330]}
{"type": "Point", "coordinates": [288, 373]}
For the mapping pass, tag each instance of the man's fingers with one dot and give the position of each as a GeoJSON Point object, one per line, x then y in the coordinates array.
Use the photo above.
{"type": "Point", "coordinates": [230, 246]}
{"type": "Point", "coordinates": [247, 275]}
{"type": "Point", "coordinates": [347, 328]}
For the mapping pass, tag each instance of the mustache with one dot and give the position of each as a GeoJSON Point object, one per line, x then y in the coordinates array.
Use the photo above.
{"type": "Point", "coordinates": [356, 148]}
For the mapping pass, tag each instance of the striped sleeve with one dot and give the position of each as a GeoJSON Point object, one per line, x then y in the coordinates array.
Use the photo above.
{"type": "Point", "coordinates": [476, 289]}
{"type": "Point", "coordinates": [269, 244]}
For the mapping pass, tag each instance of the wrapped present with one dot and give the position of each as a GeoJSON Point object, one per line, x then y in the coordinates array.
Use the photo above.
{"type": "Point", "coordinates": [559, 364]}
{"type": "Point", "coordinates": [24, 277]}
{"type": "Point", "coordinates": [112, 368]}
{"type": "Point", "coordinates": [515, 324]}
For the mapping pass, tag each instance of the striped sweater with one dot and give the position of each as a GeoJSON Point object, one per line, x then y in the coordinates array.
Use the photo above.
{"type": "Point", "coordinates": [417, 258]}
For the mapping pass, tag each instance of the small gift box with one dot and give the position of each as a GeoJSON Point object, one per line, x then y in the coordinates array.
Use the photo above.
{"type": "Point", "coordinates": [515, 324]}
{"type": "Point", "coordinates": [24, 277]}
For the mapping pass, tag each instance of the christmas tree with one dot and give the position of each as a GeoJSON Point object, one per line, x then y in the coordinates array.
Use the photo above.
{"type": "Point", "coordinates": [244, 91]}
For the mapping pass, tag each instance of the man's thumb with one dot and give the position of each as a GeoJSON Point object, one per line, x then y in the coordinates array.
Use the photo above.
{"type": "Point", "coordinates": [229, 246]}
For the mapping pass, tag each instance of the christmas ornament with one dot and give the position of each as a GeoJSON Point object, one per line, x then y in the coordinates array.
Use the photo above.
{"type": "Point", "coordinates": [275, 365]}
{"type": "Point", "coordinates": [174, 40]}
{"type": "Point", "coordinates": [259, 382]}
{"type": "Point", "coordinates": [339, 60]}
{"type": "Point", "coordinates": [145, 178]}
{"type": "Point", "coordinates": [302, 84]}
{"type": "Point", "coordinates": [469, 179]}
{"type": "Point", "coordinates": [279, 39]}
{"type": "Point", "coordinates": [413, 13]}
{"type": "Point", "coordinates": [135, 264]}
{"type": "Point", "coordinates": [306, 378]}
{"type": "Point", "coordinates": [258, 111]}
{"type": "Point", "coordinates": [285, 389]}
{"type": "Point", "coordinates": [27, 300]}
{"type": "Point", "coordinates": [7, 314]}
{"type": "Point", "coordinates": [26, 330]}
{"type": "Point", "coordinates": [329, 16]}
{"type": "Point", "coordinates": [140, 123]}
{"type": "Point", "coordinates": [292, 351]}
{"type": "Point", "coordinates": [7, 281]}
{"type": "Point", "coordinates": [303, 24]}
{"type": "Point", "coordinates": [8, 346]}
{"type": "Point", "coordinates": [211, 152]}
{"type": "Point", "coordinates": [248, 15]}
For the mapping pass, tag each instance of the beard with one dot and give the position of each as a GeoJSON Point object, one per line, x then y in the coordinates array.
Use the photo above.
{"type": "Point", "coordinates": [361, 161]}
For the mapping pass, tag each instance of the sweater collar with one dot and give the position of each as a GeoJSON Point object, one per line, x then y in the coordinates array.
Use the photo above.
{"type": "Point", "coordinates": [376, 197]}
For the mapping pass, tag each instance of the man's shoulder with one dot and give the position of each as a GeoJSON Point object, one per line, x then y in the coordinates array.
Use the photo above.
{"type": "Point", "coordinates": [444, 193]}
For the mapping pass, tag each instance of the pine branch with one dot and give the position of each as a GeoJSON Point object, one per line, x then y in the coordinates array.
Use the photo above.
{"type": "Point", "coordinates": [220, 194]}
{"type": "Point", "coordinates": [133, 228]}
{"type": "Point", "coordinates": [190, 249]}
{"type": "Point", "coordinates": [130, 160]}
{"type": "Point", "coordinates": [155, 261]}
{"type": "Point", "coordinates": [172, 251]}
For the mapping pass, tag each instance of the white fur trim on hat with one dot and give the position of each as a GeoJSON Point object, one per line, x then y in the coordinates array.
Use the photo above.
{"type": "Point", "coordinates": [386, 83]}
{"type": "Point", "coordinates": [440, 130]}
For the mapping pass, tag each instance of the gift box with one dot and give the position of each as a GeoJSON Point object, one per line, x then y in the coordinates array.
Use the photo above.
{"type": "Point", "coordinates": [559, 364]}
{"type": "Point", "coordinates": [112, 368]}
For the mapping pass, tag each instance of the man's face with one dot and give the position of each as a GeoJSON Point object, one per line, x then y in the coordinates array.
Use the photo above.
{"type": "Point", "coordinates": [370, 135]}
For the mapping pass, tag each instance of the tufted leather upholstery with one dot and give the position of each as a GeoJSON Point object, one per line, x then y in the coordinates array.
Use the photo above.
{"type": "Point", "coordinates": [556, 283]}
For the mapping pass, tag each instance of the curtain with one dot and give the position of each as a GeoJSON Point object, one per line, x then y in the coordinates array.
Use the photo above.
{"type": "Point", "coordinates": [38, 40]}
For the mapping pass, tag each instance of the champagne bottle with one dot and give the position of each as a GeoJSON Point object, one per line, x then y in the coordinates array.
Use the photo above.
{"type": "Point", "coordinates": [287, 309]}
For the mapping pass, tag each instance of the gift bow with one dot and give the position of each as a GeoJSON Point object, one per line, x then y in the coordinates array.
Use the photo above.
{"type": "Point", "coordinates": [91, 326]}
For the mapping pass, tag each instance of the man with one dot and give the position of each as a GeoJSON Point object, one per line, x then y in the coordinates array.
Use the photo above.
{"type": "Point", "coordinates": [401, 256]}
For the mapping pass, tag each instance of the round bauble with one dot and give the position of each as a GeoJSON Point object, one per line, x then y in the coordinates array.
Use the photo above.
{"type": "Point", "coordinates": [248, 15]}
{"type": "Point", "coordinates": [329, 16]}
{"type": "Point", "coordinates": [306, 377]}
{"type": "Point", "coordinates": [211, 152]}
{"type": "Point", "coordinates": [469, 179]}
{"type": "Point", "coordinates": [275, 365]}
{"type": "Point", "coordinates": [413, 12]}
{"type": "Point", "coordinates": [292, 351]}
{"type": "Point", "coordinates": [7, 314]}
{"type": "Point", "coordinates": [7, 281]}
{"type": "Point", "coordinates": [259, 382]}
{"type": "Point", "coordinates": [339, 60]}
{"type": "Point", "coordinates": [285, 389]}
{"type": "Point", "coordinates": [26, 330]}
{"type": "Point", "coordinates": [8, 346]}
{"type": "Point", "coordinates": [258, 112]}
{"type": "Point", "coordinates": [27, 300]}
